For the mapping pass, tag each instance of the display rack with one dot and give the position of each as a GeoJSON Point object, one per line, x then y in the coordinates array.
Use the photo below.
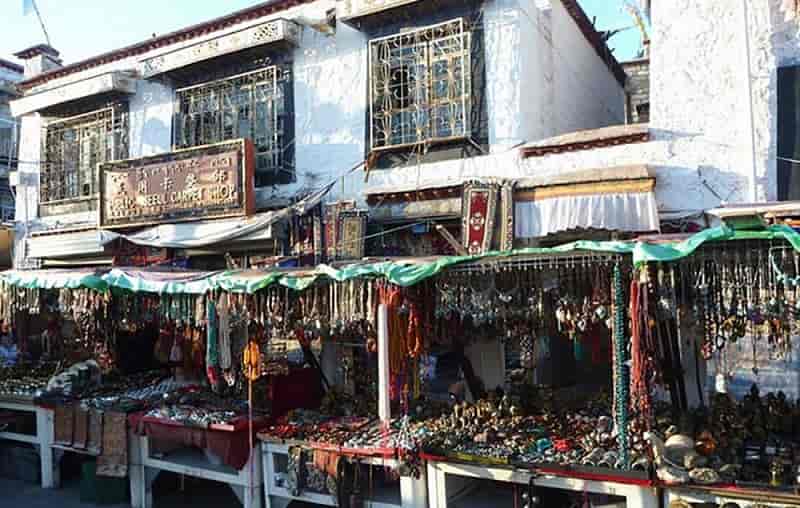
{"type": "Point", "coordinates": [737, 496]}
{"type": "Point", "coordinates": [442, 493]}
{"type": "Point", "coordinates": [145, 467]}
{"type": "Point", "coordinates": [410, 494]}
{"type": "Point", "coordinates": [42, 440]}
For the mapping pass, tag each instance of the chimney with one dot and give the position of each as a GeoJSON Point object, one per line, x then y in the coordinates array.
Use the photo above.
{"type": "Point", "coordinates": [39, 59]}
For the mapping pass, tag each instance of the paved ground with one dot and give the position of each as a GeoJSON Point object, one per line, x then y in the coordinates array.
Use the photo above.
{"type": "Point", "coordinates": [196, 494]}
{"type": "Point", "coordinates": [199, 494]}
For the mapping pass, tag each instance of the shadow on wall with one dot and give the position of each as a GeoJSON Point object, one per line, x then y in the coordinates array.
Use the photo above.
{"type": "Point", "coordinates": [768, 370]}
{"type": "Point", "coordinates": [150, 117]}
{"type": "Point", "coordinates": [329, 98]}
{"type": "Point", "coordinates": [690, 177]}
{"type": "Point", "coordinates": [503, 98]}
{"type": "Point", "coordinates": [784, 31]}
{"type": "Point", "coordinates": [154, 133]}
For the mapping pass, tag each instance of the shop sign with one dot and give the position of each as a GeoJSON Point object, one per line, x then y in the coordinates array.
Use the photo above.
{"type": "Point", "coordinates": [212, 181]}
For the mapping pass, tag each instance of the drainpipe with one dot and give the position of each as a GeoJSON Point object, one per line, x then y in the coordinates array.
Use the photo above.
{"type": "Point", "coordinates": [750, 118]}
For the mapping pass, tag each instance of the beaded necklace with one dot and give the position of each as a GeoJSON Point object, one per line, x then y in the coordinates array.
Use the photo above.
{"type": "Point", "coordinates": [620, 370]}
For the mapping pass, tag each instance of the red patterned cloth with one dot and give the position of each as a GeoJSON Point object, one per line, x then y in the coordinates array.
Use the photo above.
{"type": "Point", "coordinates": [232, 447]}
{"type": "Point", "coordinates": [300, 389]}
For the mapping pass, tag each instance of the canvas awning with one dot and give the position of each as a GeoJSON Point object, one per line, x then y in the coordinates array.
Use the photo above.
{"type": "Point", "coordinates": [185, 235]}
{"type": "Point", "coordinates": [64, 245]}
{"type": "Point", "coordinates": [188, 235]}
{"type": "Point", "coordinates": [404, 272]}
{"type": "Point", "coordinates": [613, 199]}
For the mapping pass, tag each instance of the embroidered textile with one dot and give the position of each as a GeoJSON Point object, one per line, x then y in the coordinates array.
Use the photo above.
{"type": "Point", "coordinates": [114, 459]}
{"type": "Point", "coordinates": [479, 209]}
{"type": "Point", "coordinates": [352, 230]}
{"type": "Point", "coordinates": [64, 419]}
{"type": "Point", "coordinates": [94, 441]}
{"type": "Point", "coordinates": [506, 216]}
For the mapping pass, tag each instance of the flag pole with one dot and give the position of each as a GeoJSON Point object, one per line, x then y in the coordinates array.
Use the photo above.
{"type": "Point", "coordinates": [41, 22]}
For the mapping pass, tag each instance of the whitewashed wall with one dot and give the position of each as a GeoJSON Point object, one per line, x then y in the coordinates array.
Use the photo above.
{"type": "Point", "coordinates": [704, 52]}
{"type": "Point", "coordinates": [587, 94]}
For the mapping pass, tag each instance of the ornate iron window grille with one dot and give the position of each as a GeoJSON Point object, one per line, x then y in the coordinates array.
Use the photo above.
{"type": "Point", "coordinates": [249, 105]}
{"type": "Point", "coordinates": [420, 86]}
{"type": "Point", "coordinates": [73, 148]}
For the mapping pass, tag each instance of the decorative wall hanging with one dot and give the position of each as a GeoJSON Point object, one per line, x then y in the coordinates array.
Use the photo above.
{"type": "Point", "coordinates": [352, 230]}
{"type": "Point", "coordinates": [479, 207]}
{"type": "Point", "coordinates": [114, 459]}
{"type": "Point", "coordinates": [506, 241]}
{"type": "Point", "coordinates": [331, 215]}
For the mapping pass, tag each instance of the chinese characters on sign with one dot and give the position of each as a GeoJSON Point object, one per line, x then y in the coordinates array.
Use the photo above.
{"type": "Point", "coordinates": [174, 187]}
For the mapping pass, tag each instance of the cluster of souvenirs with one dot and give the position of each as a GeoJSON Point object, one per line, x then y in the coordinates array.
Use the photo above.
{"type": "Point", "coordinates": [666, 365]}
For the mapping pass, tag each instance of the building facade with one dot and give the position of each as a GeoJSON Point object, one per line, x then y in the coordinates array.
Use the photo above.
{"type": "Point", "coordinates": [10, 75]}
{"type": "Point", "coordinates": [723, 116]}
{"type": "Point", "coordinates": [411, 94]}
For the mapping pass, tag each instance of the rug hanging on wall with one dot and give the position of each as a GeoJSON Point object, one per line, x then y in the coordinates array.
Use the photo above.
{"type": "Point", "coordinates": [479, 208]}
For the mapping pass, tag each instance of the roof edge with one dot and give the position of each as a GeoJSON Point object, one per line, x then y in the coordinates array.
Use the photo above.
{"type": "Point", "coordinates": [593, 36]}
{"type": "Point", "coordinates": [11, 66]}
{"type": "Point", "coordinates": [602, 139]}
{"type": "Point", "coordinates": [184, 34]}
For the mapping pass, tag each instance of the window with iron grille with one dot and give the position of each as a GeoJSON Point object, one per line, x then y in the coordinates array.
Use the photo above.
{"type": "Point", "coordinates": [72, 149]}
{"type": "Point", "coordinates": [250, 105]}
{"type": "Point", "coordinates": [420, 86]}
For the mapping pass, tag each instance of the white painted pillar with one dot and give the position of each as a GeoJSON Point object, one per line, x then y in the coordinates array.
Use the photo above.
{"type": "Point", "coordinates": [49, 459]}
{"type": "Point", "coordinates": [384, 404]}
{"type": "Point", "coordinates": [414, 491]}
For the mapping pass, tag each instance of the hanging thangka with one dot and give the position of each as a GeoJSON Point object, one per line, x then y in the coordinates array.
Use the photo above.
{"type": "Point", "coordinates": [479, 206]}
{"type": "Point", "coordinates": [306, 234]}
{"type": "Point", "coordinates": [331, 214]}
{"type": "Point", "coordinates": [352, 230]}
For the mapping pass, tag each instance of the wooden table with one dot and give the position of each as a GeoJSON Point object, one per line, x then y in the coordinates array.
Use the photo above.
{"type": "Point", "coordinates": [145, 467]}
{"type": "Point", "coordinates": [411, 494]}
{"type": "Point", "coordinates": [721, 495]}
{"type": "Point", "coordinates": [42, 440]}
{"type": "Point", "coordinates": [451, 484]}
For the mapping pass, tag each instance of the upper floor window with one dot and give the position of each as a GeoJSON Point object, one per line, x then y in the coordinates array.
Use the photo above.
{"type": "Point", "coordinates": [8, 142]}
{"type": "Point", "coordinates": [72, 149]}
{"type": "Point", "coordinates": [420, 86]}
{"type": "Point", "coordinates": [249, 105]}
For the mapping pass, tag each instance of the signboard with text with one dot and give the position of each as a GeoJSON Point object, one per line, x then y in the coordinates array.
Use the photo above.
{"type": "Point", "coordinates": [207, 182]}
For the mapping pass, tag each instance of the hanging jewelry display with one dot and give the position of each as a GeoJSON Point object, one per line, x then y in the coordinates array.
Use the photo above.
{"type": "Point", "coordinates": [619, 368]}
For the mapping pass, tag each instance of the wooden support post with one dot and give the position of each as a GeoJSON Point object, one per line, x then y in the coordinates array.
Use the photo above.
{"type": "Point", "coordinates": [384, 404]}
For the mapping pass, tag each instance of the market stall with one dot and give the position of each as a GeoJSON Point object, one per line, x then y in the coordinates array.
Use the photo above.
{"type": "Point", "coordinates": [567, 374]}
{"type": "Point", "coordinates": [734, 310]}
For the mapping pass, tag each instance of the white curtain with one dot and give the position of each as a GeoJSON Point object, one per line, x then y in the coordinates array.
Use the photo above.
{"type": "Point", "coordinates": [617, 212]}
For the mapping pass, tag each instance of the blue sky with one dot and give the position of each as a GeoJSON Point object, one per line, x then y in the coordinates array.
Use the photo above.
{"type": "Point", "coordinates": [83, 28]}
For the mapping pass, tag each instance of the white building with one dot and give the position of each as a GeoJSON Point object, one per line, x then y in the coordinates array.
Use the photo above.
{"type": "Point", "coordinates": [10, 74]}
{"type": "Point", "coordinates": [723, 116]}
{"type": "Point", "coordinates": [444, 92]}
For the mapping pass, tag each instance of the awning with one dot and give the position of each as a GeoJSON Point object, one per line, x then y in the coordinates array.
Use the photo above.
{"type": "Point", "coordinates": [404, 272]}
{"type": "Point", "coordinates": [162, 281]}
{"type": "Point", "coordinates": [188, 235]}
{"type": "Point", "coordinates": [272, 31]}
{"type": "Point", "coordinates": [72, 278]}
{"type": "Point", "coordinates": [615, 199]}
{"type": "Point", "coordinates": [64, 245]}
{"type": "Point", "coordinates": [115, 81]}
